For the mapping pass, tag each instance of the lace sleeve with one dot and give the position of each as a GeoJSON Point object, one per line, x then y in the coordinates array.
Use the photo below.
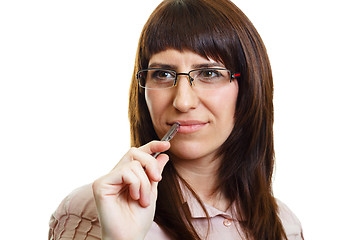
{"type": "Point", "coordinates": [76, 217]}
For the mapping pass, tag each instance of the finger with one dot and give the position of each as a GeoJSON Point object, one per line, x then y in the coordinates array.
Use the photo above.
{"type": "Point", "coordinates": [118, 180]}
{"type": "Point", "coordinates": [142, 155]}
{"type": "Point", "coordinates": [149, 148]}
{"type": "Point", "coordinates": [132, 180]}
{"type": "Point", "coordinates": [145, 160]}
{"type": "Point", "coordinates": [149, 163]}
{"type": "Point", "coordinates": [155, 146]}
{"type": "Point", "coordinates": [154, 171]}
{"type": "Point", "coordinates": [145, 186]}
{"type": "Point", "coordinates": [162, 160]}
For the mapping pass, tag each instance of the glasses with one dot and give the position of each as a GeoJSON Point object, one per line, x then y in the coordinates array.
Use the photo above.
{"type": "Point", "coordinates": [209, 78]}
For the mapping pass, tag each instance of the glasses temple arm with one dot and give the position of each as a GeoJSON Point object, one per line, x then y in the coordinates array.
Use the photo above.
{"type": "Point", "coordinates": [235, 75]}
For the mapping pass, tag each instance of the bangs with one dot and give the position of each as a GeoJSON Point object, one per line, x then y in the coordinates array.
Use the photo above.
{"type": "Point", "coordinates": [191, 25]}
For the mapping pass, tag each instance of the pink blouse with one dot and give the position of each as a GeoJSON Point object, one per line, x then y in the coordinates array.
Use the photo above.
{"type": "Point", "coordinates": [76, 218]}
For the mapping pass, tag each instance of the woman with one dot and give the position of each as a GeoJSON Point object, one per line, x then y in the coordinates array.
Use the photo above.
{"type": "Point", "coordinates": [200, 63]}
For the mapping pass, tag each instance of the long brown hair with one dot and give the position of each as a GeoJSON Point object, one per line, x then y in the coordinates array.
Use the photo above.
{"type": "Point", "coordinates": [218, 30]}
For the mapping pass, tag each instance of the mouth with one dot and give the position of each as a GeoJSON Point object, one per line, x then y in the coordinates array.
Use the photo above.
{"type": "Point", "coordinates": [190, 126]}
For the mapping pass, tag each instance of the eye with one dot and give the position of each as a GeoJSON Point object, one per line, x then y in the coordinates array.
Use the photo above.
{"type": "Point", "coordinates": [208, 75]}
{"type": "Point", "coordinates": [162, 74]}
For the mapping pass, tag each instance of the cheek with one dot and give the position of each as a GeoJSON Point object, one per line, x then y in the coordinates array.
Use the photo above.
{"type": "Point", "coordinates": [156, 102]}
{"type": "Point", "coordinates": [150, 102]}
{"type": "Point", "coordinates": [223, 103]}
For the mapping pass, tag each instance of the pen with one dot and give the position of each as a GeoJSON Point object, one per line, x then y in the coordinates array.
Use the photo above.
{"type": "Point", "coordinates": [169, 135]}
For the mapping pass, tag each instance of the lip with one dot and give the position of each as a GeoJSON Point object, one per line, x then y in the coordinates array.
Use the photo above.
{"type": "Point", "coordinates": [190, 126]}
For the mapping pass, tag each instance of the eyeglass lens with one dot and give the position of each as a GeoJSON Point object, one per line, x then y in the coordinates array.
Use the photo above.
{"type": "Point", "coordinates": [200, 78]}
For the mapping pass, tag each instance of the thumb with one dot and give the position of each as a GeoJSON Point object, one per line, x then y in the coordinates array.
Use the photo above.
{"type": "Point", "coordinates": [162, 160]}
{"type": "Point", "coordinates": [155, 146]}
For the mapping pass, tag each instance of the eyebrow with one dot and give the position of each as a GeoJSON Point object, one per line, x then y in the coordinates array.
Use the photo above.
{"type": "Point", "coordinates": [208, 65]}
{"type": "Point", "coordinates": [160, 65]}
{"type": "Point", "coordinates": [195, 66]}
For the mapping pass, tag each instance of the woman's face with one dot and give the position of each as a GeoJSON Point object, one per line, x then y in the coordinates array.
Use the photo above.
{"type": "Point", "coordinates": [206, 115]}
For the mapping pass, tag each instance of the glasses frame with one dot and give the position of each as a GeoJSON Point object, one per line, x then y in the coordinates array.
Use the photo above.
{"type": "Point", "coordinates": [232, 75]}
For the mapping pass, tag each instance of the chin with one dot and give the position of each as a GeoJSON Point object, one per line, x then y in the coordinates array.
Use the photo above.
{"type": "Point", "coordinates": [190, 152]}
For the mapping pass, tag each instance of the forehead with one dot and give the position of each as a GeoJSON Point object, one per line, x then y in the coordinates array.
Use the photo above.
{"type": "Point", "coordinates": [175, 58]}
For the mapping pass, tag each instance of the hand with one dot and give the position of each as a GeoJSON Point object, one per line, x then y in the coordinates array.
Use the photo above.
{"type": "Point", "coordinates": [126, 197]}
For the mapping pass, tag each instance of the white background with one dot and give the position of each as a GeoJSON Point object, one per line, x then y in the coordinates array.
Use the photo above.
{"type": "Point", "coordinates": [65, 68]}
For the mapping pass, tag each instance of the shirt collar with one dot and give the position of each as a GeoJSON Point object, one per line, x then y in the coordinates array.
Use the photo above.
{"type": "Point", "coordinates": [197, 211]}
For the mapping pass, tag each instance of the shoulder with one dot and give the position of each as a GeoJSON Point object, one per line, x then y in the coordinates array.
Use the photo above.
{"type": "Point", "coordinates": [76, 215]}
{"type": "Point", "coordinates": [291, 223]}
{"type": "Point", "coordinates": [79, 202]}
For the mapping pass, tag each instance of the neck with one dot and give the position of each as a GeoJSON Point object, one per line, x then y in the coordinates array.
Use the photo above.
{"type": "Point", "coordinates": [202, 176]}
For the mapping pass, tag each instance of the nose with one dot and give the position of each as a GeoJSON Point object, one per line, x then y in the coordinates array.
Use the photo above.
{"type": "Point", "coordinates": [185, 97]}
